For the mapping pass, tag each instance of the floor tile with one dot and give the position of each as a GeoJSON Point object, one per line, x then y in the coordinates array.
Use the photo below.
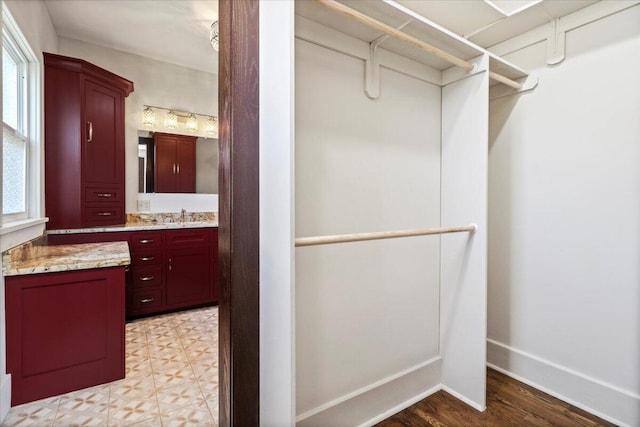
{"type": "Point", "coordinates": [132, 387]}
{"type": "Point", "coordinates": [172, 376]}
{"type": "Point", "coordinates": [197, 415]}
{"type": "Point", "coordinates": [173, 398]}
{"type": "Point", "coordinates": [132, 409]}
{"type": "Point", "coordinates": [38, 414]}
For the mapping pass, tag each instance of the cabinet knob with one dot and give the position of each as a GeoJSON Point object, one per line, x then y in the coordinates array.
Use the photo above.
{"type": "Point", "coordinates": [146, 241]}
{"type": "Point", "coordinates": [147, 278]}
{"type": "Point", "coordinates": [104, 214]}
{"type": "Point", "coordinates": [146, 300]}
{"type": "Point", "coordinates": [146, 258]}
{"type": "Point", "coordinates": [105, 194]}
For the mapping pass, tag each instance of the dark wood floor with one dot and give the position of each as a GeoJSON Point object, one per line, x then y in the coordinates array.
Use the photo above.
{"type": "Point", "coordinates": [509, 403]}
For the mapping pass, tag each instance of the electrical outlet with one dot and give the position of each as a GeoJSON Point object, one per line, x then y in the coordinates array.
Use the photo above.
{"type": "Point", "coordinates": [144, 205]}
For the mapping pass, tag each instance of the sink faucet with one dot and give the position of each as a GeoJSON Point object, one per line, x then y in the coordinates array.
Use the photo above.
{"type": "Point", "coordinates": [182, 214]}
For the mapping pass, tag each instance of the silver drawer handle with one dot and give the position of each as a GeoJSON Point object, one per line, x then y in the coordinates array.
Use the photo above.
{"type": "Point", "coordinates": [146, 258]}
{"type": "Point", "coordinates": [146, 300]}
{"type": "Point", "coordinates": [104, 214]}
{"type": "Point", "coordinates": [90, 126]}
{"type": "Point", "coordinates": [147, 278]}
{"type": "Point", "coordinates": [145, 241]}
{"type": "Point", "coordinates": [105, 194]}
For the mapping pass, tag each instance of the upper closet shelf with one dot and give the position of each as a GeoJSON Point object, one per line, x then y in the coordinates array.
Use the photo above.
{"type": "Point", "coordinates": [411, 35]}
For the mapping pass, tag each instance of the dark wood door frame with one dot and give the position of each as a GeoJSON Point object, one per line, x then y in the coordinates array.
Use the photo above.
{"type": "Point", "coordinates": [238, 108]}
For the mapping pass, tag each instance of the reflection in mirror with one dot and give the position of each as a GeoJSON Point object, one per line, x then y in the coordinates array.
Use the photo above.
{"type": "Point", "coordinates": [151, 156]}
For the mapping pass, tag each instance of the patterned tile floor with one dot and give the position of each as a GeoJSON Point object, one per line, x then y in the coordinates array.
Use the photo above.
{"type": "Point", "coordinates": [171, 380]}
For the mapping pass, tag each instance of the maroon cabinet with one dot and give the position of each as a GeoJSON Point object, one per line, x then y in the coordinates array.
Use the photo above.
{"type": "Point", "coordinates": [65, 331]}
{"type": "Point", "coordinates": [146, 293]}
{"type": "Point", "coordinates": [175, 163]}
{"type": "Point", "coordinates": [188, 274]}
{"type": "Point", "coordinates": [84, 144]}
{"type": "Point", "coordinates": [173, 269]}
{"type": "Point", "coordinates": [170, 269]}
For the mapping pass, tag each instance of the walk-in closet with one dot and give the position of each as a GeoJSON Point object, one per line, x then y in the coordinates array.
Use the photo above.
{"type": "Point", "coordinates": [391, 136]}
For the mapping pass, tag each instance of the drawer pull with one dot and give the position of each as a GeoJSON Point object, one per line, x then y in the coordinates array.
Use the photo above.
{"type": "Point", "coordinates": [90, 128]}
{"type": "Point", "coordinates": [145, 241]}
{"type": "Point", "coordinates": [146, 258]}
{"type": "Point", "coordinates": [146, 300]}
{"type": "Point", "coordinates": [147, 278]}
{"type": "Point", "coordinates": [104, 214]}
{"type": "Point", "coordinates": [105, 194]}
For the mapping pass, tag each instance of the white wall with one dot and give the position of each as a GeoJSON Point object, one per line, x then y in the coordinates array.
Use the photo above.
{"type": "Point", "coordinates": [277, 367]}
{"type": "Point", "coordinates": [33, 20]}
{"type": "Point", "coordinates": [155, 83]}
{"type": "Point", "coordinates": [365, 312]}
{"type": "Point", "coordinates": [564, 243]}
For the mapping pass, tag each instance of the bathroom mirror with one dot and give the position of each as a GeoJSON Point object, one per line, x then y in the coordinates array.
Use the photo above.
{"type": "Point", "coordinates": [206, 166]}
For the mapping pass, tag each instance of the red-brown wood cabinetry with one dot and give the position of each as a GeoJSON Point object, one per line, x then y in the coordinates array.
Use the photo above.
{"type": "Point", "coordinates": [84, 144]}
{"type": "Point", "coordinates": [170, 269]}
{"type": "Point", "coordinates": [188, 274]}
{"type": "Point", "coordinates": [65, 331]}
{"type": "Point", "coordinates": [175, 163]}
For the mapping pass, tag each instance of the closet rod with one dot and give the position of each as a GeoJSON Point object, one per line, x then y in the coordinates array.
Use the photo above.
{"type": "Point", "coordinates": [345, 238]}
{"type": "Point", "coordinates": [374, 23]}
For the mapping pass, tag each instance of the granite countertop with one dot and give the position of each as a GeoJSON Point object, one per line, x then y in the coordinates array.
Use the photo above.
{"type": "Point", "coordinates": [34, 257]}
{"type": "Point", "coordinates": [160, 221]}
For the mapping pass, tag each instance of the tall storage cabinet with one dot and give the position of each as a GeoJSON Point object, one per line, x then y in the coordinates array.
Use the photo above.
{"type": "Point", "coordinates": [175, 167]}
{"type": "Point", "coordinates": [84, 143]}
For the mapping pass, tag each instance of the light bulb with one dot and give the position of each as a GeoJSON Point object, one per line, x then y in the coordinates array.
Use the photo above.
{"type": "Point", "coordinates": [171, 120]}
{"type": "Point", "coordinates": [148, 117]}
{"type": "Point", "coordinates": [192, 123]}
{"type": "Point", "coordinates": [212, 126]}
{"type": "Point", "coordinates": [214, 35]}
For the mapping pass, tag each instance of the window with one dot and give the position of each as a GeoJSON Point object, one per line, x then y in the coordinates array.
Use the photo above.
{"type": "Point", "coordinates": [19, 124]}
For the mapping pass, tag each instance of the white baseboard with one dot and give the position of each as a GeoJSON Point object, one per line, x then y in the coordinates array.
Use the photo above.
{"type": "Point", "coordinates": [383, 398]}
{"type": "Point", "coordinates": [604, 400]}
{"type": "Point", "coordinates": [460, 397]}
{"type": "Point", "coordinates": [5, 396]}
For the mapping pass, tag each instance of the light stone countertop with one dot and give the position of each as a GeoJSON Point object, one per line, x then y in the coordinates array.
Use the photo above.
{"type": "Point", "coordinates": [155, 221]}
{"type": "Point", "coordinates": [138, 226]}
{"type": "Point", "coordinates": [31, 258]}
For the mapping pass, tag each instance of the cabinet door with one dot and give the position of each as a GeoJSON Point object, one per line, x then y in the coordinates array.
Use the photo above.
{"type": "Point", "coordinates": [103, 144]}
{"type": "Point", "coordinates": [65, 331]}
{"type": "Point", "coordinates": [186, 161]}
{"type": "Point", "coordinates": [188, 276]}
{"type": "Point", "coordinates": [165, 165]}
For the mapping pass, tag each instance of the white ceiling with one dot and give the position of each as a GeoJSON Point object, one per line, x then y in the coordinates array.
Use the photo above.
{"type": "Point", "coordinates": [175, 31]}
{"type": "Point", "coordinates": [488, 22]}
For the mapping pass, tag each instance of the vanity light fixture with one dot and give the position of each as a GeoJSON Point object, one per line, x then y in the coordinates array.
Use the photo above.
{"type": "Point", "coordinates": [192, 123]}
{"type": "Point", "coordinates": [175, 119]}
{"type": "Point", "coordinates": [148, 117]}
{"type": "Point", "coordinates": [214, 35]}
{"type": "Point", "coordinates": [171, 120]}
{"type": "Point", "coordinates": [212, 126]}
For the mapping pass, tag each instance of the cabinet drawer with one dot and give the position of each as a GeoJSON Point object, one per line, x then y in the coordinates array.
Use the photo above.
{"type": "Point", "coordinates": [142, 240]}
{"type": "Point", "coordinates": [102, 195]}
{"type": "Point", "coordinates": [104, 215]}
{"type": "Point", "coordinates": [145, 300]}
{"type": "Point", "coordinates": [146, 277]}
{"type": "Point", "coordinates": [188, 237]}
{"type": "Point", "coordinates": [143, 258]}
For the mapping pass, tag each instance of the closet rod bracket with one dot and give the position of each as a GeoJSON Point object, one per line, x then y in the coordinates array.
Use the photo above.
{"type": "Point", "coordinates": [528, 84]}
{"type": "Point", "coordinates": [556, 44]}
{"type": "Point", "coordinates": [372, 65]}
